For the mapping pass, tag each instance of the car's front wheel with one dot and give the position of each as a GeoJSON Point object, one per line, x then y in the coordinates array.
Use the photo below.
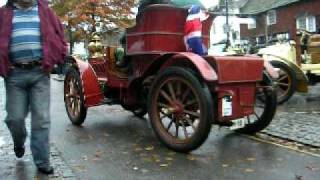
{"type": "Point", "coordinates": [73, 97]}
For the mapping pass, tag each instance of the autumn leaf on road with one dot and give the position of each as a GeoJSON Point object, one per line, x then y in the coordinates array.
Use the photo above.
{"type": "Point", "coordinates": [98, 153]}
{"type": "Point", "coordinates": [251, 159]}
{"type": "Point", "coordinates": [149, 148]}
{"type": "Point", "coordinates": [164, 165]}
{"type": "Point", "coordinates": [248, 170]}
{"type": "Point", "coordinates": [225, 165]}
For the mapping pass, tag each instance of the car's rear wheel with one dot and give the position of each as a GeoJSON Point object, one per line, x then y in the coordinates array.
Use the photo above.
{"type": "Point", "coordinates": [73, 97]}
{"type": "Point", "coordinates": [180, 109]}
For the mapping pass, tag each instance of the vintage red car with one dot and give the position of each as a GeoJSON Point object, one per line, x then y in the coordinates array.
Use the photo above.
{"type": "Point", "coordinates": [182, 92]}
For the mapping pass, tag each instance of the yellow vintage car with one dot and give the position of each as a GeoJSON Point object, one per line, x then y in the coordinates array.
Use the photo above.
{"type": "Point", "coordinates": [295, 76]}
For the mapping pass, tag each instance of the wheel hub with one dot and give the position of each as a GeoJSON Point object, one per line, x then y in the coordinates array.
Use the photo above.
{"type": "Point", "coordinates": [178, 112]}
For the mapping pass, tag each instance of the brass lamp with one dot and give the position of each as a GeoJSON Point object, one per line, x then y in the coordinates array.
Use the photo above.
{"type": "Point", "coordinates": [95, 47]}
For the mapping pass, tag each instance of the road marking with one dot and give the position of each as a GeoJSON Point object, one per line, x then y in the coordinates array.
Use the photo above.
{"type": "Point", "coordinates": [280, 145]}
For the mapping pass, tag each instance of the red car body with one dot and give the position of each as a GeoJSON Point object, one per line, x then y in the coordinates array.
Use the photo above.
{"type": "Point", "coordinates": [156, 44]}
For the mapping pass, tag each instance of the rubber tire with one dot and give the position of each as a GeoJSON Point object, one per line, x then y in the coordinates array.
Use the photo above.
{"type": "Point", "coordinates": [292, 75]}
{"type": "Point", "coordinates": [73, 72]}
{"type": "Point", "coordinates": [140, 112]}
{"type": "Point", "coordinates": [205, 124]}
{"type": "Point", "coordinates": [268, 113]}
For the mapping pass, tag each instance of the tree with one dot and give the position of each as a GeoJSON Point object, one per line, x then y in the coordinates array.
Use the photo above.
{"type": "Point", "coordinates": [86, 16]}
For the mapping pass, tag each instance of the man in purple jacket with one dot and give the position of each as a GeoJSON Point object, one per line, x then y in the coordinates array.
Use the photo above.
{"type": "Point", "coordinates": [31, 43]}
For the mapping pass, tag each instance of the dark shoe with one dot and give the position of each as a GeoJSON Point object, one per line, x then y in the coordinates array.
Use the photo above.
{"type": "Point", "coordinates": [46, 170]}
{"type": "Point", "coordinates": [19, 151]}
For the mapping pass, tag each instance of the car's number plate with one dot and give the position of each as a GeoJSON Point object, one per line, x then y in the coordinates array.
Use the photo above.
{"type": "Point", "coordinates": [239, 123]}
{"type": "Point", "coordinates": [227, 106]}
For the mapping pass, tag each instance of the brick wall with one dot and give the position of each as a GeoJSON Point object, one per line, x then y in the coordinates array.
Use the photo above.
{"type": "Point", "coordinates": [286, 20]}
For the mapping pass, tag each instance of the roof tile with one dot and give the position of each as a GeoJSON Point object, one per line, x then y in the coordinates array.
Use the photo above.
{"type": "Point", "coordinates": [259, 6]}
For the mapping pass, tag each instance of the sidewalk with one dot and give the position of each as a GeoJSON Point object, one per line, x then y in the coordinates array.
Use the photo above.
{"type": "Point", "coordinates": [24, 168]}
{"type": "Point", "coordinates": [299, 119]}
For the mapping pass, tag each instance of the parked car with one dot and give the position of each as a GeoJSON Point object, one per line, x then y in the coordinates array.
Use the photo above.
{"type": "Point", "coordinates": [295, 76]}
{"type": "Point", "coordinates": [182, 92]}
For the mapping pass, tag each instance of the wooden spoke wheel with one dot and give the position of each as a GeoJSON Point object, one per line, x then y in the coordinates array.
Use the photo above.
{"type": "Point", "coordinates": [286, 83]}
{"type": "Point", "coordinates": [265, 107]}
{"type": "Point", "coordinates": [180, 109]}
{"type": "Point", "coordinates": [73, 97]}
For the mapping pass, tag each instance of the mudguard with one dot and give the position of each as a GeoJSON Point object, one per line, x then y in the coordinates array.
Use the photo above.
{"type": "Point", "coordinates": [93, 95]}
{"type": "Point", "coordinates": [302, 84]}
{"type": "Point", "coordinates": [204, 68]}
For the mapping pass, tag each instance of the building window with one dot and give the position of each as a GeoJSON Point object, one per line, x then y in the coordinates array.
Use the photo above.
{"type": "Point", "coordinates": [261, 40]}
{"type": "Point", "coordinates": [252, 24]}
{"type": "Point", "coordinates": [271, 17]}
{"type": "Point", "coordinates": [306, 22]}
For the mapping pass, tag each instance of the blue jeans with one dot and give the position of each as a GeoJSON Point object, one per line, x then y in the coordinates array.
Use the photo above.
{"type": "Point", "coordinates": [29, 90]}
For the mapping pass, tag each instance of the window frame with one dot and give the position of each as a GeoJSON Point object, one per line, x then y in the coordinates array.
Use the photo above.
{"type": "Point", "coordinates": [271, 13]}
{"type": "Point", "coordinates": [252, 25]}
{"type": "Point", "coordinates": [309, 22]}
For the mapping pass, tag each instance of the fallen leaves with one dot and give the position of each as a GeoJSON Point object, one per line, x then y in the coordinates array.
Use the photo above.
{"type": "Point", "coordinates": [171, 153]}
{"type": "Point", "coordinates": [249, 170]}
{"type": "Point", "coordinates": [251, 159]}
{"type": "Point", "coordinates": [137, 149]}
{"type": "Point", "coordinates": [279, 159]}
{"type": "Point", "coordinates": [225, 165]}
{"type": "Point", "coordinates": [155, 158]}
{"type": "Point", "coordinates": [85, 158]}
{"type": "Point", "coordinates": [98, 154]}
{"type": "Point", "coordinates": [149, 148]}
{"type": "Point", "coordinates": [191, 157]}
{"type": "Point", "coordinates": [164, 165]}
{"type": "Point", "coordinates": [144, 170]}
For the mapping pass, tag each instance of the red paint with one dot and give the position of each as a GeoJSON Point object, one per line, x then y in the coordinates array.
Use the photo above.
{"type": "Point", "coordinates": [238, 69]}
{"type": "Point", "coordinates": [243, 99]}
{"type": "Point", "coordinates": [161, 29]}
{"type": "Point", "coordinates": [100, 67]}
{"type": "Point", "coordinates": [91, 89]}
{"type": "Point", "coordinates": [206, 71]}
{"type": "Point", "coordinates": [155, 44]}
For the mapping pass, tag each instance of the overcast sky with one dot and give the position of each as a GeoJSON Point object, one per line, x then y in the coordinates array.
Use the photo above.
{"type": "Point", "coordinates": [2, 2]}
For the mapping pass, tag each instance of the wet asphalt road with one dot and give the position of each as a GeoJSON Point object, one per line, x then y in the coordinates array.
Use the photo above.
{"type": "Point", "coordinates": [113, 144]}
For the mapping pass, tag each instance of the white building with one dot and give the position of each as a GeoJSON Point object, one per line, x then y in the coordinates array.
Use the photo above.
{"type": "Point", "coordinates": [219, 26]}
